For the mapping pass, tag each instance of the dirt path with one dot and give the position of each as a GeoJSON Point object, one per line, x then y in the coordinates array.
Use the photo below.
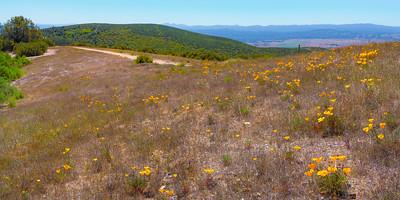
{"type": "Point", "coordinates": [49, 52]}
{"type": "Point", "coordinates": [125, 55]}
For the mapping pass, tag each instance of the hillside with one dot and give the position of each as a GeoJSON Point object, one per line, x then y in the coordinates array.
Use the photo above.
{"type": "Point", "coordinates": [308, 126]}
{"type": "Point", "coordinates": [158, 39]}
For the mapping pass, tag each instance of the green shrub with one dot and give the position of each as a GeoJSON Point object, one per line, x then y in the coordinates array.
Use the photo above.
{"type": "Point", "coordinates": [7, 60]}
{"type": "Point", "coordinates": [7, 45]}
{"type": "Point", "coordinates": [1, 43]}
{"type": "Point", "coordinates": [49, 42]}
{"type": "Point", "coordinates": [31, 49]}
{"type": "Point", "coordinates": [226, 159]}
{"type": "Point", "coordinates": [135, 184]}
{"type": "Point", "coordinates": [12, 102]}
{"type": "Point", "coordinates": [8, 93]}
{"type": "Point", "coordinates": [143, 59]}
{"type": "Point", "coordinates": [10, 68]}
{"type": "Point", "coordinates": [10, 73]}
{"type": "Point", "coordinates": [334, 184]}
{"type": "Point", "coordinates": [245, 111]}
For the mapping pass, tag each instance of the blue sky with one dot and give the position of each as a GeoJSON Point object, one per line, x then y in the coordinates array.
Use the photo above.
{"type": "Point", "coordinates": [205, 12]}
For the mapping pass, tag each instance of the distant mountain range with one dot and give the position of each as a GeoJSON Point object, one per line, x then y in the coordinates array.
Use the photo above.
{"type": "Point", "coordinates": [264, 35]}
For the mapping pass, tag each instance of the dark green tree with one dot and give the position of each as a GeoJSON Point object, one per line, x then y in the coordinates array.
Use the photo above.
{"type": "Point", "coordinates": [20, 29]}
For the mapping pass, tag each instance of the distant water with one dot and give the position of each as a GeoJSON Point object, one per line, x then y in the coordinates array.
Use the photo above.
{"type": "Point", "coordinates": [323, 43]}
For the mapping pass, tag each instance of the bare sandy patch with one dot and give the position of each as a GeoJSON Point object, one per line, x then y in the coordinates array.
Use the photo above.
{"type": "Point", "coordinates": [128, 56]}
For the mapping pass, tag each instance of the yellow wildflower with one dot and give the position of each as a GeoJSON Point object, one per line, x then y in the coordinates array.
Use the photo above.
{"type": "Point", "coordinates": [170, 192]}
{"type": "Point", "coordinates": [67, 167]}
{"type": "Point", "coordinates": [318, 160]}
{"type": "Point", "coordinates": [321, 119]}
{"type": "Point", "coordinates": [312, 166]}
{"type": "Point", "coordinates": [166, 129]}
{"type": "Point", "coordinates": [146, 171]}
{"type": "Point", "coordinates": [297, 148]}
{"type": "Point", "coordinates": [251, 97]}
{"type": "Point", "coordinates": [209, 171]}
{"type": "Point", "coordinates": [286, 137]}
{"type": "Point", "coordinates": [309, 173]}
{"type": "Point", "coordinates": [332, 169]}
{"type": "Point", "coordinates": [66, 150]}
{"type": "Point", "coordinates": [382, 125]}
{"type": "Point", "coordinates": [322, 173]}
{"type": "Point", "coordinates": [370, 126]}
{"type": "Point", "coordinates": [347, 170]}
{"type": "Point", "coordinates": [327, 112]}
{"type": "Point", "coordinates": [381, 136]}
{"type": "Point", "coordinates": [342, 158]}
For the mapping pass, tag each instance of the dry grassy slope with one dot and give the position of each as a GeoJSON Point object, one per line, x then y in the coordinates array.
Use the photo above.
{"type": "Point", "coordinates": [83, 130]}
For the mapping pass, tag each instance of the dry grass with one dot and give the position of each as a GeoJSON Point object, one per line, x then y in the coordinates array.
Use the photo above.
{"type": "Point", "coordinates": [84, 132]}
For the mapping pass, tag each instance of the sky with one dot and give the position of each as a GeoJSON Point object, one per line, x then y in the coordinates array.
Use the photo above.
{"type": "Point", "coordinates": [205, 12]}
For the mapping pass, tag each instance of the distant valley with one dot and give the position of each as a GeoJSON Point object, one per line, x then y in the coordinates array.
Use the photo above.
{"type": "Point", "coordinates": [326, 36]}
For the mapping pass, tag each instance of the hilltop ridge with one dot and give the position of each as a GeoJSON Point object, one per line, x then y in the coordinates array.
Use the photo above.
{"type": "Point", "coordinates": [153, 38]}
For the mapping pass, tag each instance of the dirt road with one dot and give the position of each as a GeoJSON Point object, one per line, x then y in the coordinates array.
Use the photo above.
{"type": "Point", "coordinates": [125, 55]}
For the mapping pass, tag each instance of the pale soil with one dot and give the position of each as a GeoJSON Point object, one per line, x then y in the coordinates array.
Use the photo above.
{"type": "Point", "coordinates": [47, 74]}
{"type": "Point", "coordinates": [128, 56]}
{"type": "Point", "coordinates": [50, 52]}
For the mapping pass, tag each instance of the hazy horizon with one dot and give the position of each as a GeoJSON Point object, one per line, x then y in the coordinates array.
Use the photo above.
{"type": "Point", "coordinates": [178, 24]}
{"type": "Point", "coordinates": [206, 13]}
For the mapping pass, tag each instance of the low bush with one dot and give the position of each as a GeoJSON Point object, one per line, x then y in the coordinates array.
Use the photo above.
{"type": "Point", "coordinates": [8, 93]}
{"type": "Point", "coordinates": [7, 45]}
{"type": "Point", "coordinates": [10, 73]}
{"type": "Point", "coordinates": [10, 70]}
{"type": "Point", "coordinates": [226, 159]}
{"type": "Point", "coordinates": [1, 43]}
{"type": "Point", "coordinates": [330, 175]}
{"type": "Point", "coordinates": [7, 60]}
{"type": "Point", "coordinates": [31, 49]}
{"type": "Point", "coordinates": [143, 59]}
{"type": "Point", "coordinates": [49, 42]}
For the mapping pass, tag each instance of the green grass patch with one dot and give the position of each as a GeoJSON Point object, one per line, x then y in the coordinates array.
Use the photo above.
{"type": "Point", "coordinates": [10, 70]}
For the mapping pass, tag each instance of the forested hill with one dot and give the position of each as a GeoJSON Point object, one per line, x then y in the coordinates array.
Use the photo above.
{"type": "Point", "coordinates": [158, 39]}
